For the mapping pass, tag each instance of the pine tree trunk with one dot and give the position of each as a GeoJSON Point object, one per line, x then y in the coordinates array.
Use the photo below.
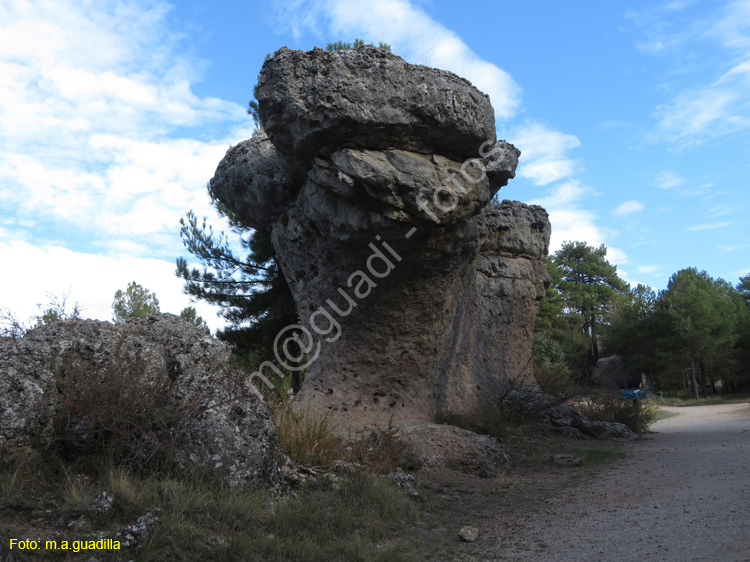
{"type": "Point", "coordinates": [695, 381]}
{"type": "Point", "coordinates": [704, 385]}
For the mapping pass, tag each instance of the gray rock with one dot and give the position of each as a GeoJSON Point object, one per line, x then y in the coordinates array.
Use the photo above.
{"type": "Point", "coordinates": [562, 459]}
{"type": "Point", "coordinates": [405, 481]}
{"type": "Point", "coordinates": [315, 102]}
{"type": "Point", "coordinates": [226, 429]}
{"type": "Point", "coordinates": [468, 534]}
{"type": "Point", "coordinates": [569, 421]}
{"type": "Point", "coordinates": [133, 536]}
{"type": "Point", "coordinates": [28, 398]}
{"type": "Point", "coordinates": [251, 180]}
{"type": "Point", "coordinates": [418, 296]}
{"type": "Point", "coordinates": [81, 524]}
{"type": "Point", "coordinates": [102, 503]}
{"type": "Point", "coordinates": [448, 447]}
{"type": "Point", "coordinates": [347, 468]}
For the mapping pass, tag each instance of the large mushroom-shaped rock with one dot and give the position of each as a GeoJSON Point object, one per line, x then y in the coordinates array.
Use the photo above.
{"type": "Point", "coordinates": [318, 101]}
{"type": "Point", "coordinates": [416, 296]}
{"type": "Point", "coordinates": [218, 423]}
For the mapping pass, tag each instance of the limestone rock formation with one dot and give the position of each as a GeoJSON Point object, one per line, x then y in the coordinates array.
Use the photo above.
{"type": "Point", "coordinates": [314, 103]}
{"type": "Point", "coordinates": [416, 296]}
{"type": "Point", "coordinates": [374, 177]}
{"type": "Point", "coordinates": [226, 428]}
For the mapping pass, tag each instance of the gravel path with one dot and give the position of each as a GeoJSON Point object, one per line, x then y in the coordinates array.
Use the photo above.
{"type": "Point", "coordinates": [682, 495]}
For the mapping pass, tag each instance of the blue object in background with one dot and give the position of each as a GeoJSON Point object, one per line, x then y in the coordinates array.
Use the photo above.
{"type": "Point", "coordinates": [633, 394]}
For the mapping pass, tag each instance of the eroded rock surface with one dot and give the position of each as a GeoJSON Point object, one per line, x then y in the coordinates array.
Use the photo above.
{"type": "Point", "coordinates": [226, 429]}
{"type": "Point", "coordinates": [416, 295]}
{"type": "Point", "coordinates": [316, 102]}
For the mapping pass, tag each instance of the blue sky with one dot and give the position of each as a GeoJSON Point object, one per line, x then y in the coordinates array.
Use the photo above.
{"type": "Point", "coordinates": [633, 119]}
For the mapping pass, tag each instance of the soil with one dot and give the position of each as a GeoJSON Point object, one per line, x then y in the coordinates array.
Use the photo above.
{"type": "Point", "coordinates": [681, 494]}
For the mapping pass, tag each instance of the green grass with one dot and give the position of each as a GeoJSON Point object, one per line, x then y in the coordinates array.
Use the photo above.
{"type": "Point", "coordinates": [358, 519]}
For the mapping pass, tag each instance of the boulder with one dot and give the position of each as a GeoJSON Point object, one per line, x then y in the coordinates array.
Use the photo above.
{"type": "Point", "coordinates": [251, 177]}
{"type": "Point", "coordinates": [610, 372]}
{"type": "Point", "coordinates": [441, 447]}
{"type": "Point", "coordinates": [468, 534]}
{"type": "Point", "coordinates": [28, 398]}
{"type": "Point", "coordinates": [221, 427]}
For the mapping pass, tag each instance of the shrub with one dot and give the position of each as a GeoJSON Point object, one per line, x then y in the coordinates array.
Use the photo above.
{"type": "Point", "coordinates": [307, 438]}
{"type": "Point", "coordinates": [127, 412]}
{"type": "Point", "coordinates": [380, 450]}
{"type": "Point", "coordinates": [610, 407]}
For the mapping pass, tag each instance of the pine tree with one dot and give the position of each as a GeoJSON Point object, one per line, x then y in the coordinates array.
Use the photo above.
{"type": "Point", "coordinates": [251, 292]}
{"type": "Point", "coordinates": [134, 302]}
{"type": "Point", "coordinates": [588, 286]}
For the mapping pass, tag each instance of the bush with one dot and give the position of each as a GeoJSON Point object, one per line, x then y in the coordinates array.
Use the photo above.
{"type": "Point", "coordinates": [127, 412]}
{"type": "Point", "coordinates": [379, 450]}
{"type": "Point", "coordinates": [610, 407]}
{"type": "Point", "coordinates": [308, 439]}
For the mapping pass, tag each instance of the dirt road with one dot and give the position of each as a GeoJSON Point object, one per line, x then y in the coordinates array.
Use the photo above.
{"type": "Point", "coordinates": [683, 494]}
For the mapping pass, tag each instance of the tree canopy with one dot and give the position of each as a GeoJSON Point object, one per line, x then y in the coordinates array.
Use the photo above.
{"type": "Point", "coordinates": [134, 302]}
{"type": "Point", "coordinates": [584, 288]}
{"type": "Point", "coordinates": [250, 290]}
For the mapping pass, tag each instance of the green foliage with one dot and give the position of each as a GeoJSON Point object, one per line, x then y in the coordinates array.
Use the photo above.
{"type": "Point", "coordinates": [694, 333]}
{"type": "Point", "coordinates": [743, 287]}
{"type": "Point", "coordinates": [696, 325]}
{"type": "Point", "coordinates": [343, 46]}
{"type": "Point", "coordinates": [635, 332]}
{"type": "Point", "coordinates": [253, 109]}
{"type": "Point", "coordinates": [251, 291]}
{"type": "Point", "coordinates": [134, 302]}
{"type": "Point", "coordinates": [190, 315]}
{"type": "Point", "coordinates": [358, 518]}
{"type": "Point", "coordinates": [610, 407]}
{"type": "Point", "coordinates": [588, 287]}
{"type": "Point", "coordinates": [584, 290]}
{"type": "Point", "coordinates": [703, 314]}
{"type": "Point", "coordinates": [56, 310]}
{"type": "Point", "coordinates": [551, 366]}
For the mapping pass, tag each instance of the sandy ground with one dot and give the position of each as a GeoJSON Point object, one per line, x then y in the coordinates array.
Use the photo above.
{"type": "Point", "coordinates": [683, 494]}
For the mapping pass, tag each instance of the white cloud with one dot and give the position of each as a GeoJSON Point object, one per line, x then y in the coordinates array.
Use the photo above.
{"type": "Point", "coordinates": [91, 280]}
{"type": "Point", "coordinates": [564, 195]}
{"type": "Point", "coordinates": [543, 153]}
{"type": "Point", "coordinates": [709, 226]}
{"type": "Point", "coordinates": [698, 107]}
{"type": "Point", "coordinates": [734, 248]}
{"type": "Point", "coordinates": [413, 35]}
{"type": "Point", "coordinates": [668, 179]}
{"type": "Point", "coordinates": [648, 268]}
{"type": "Point", "coordinates": [718, 109]}
{"type": "Point", "coordinates": [724, 209]}
{"type": "Point", "coordinates": [571, 224]}
{"type": "Point", "coordinates": [616, 256]}
{"type": "Point", "coordinates": [96, 97]}
{"type": "Point", "coordinates": [93, 94]}
{"type": "Point", "coordinates": [628, 207]}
